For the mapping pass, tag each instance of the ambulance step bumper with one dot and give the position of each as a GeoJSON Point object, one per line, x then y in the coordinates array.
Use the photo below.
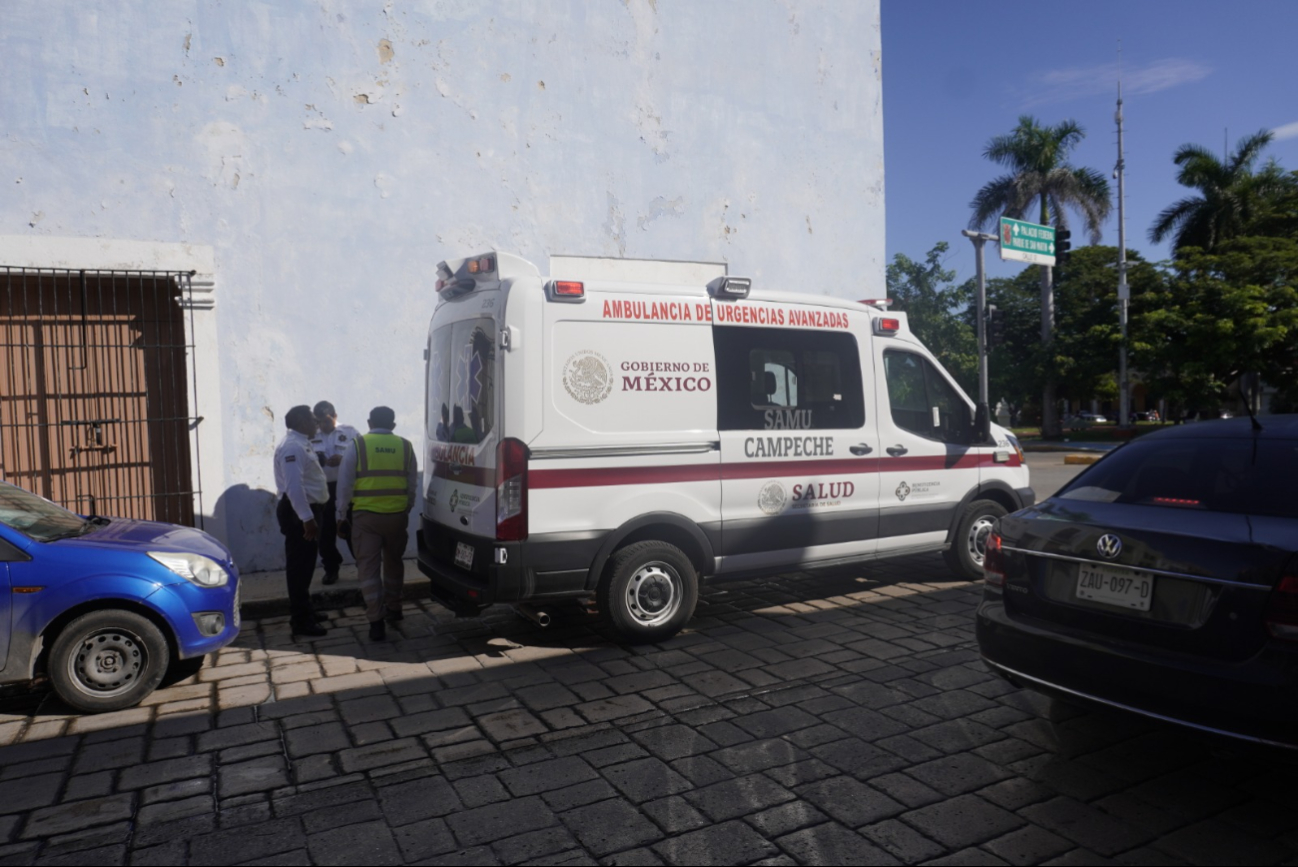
{"type": "Point", "coordinates": [463, 592]}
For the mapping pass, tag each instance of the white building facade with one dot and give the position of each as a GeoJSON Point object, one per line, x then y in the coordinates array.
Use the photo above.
{"type": "Point", "coordinates": [311, 162]}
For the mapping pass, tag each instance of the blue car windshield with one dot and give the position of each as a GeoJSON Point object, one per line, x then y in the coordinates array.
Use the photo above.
{"type": "Point", "coordinates": [38, 517]}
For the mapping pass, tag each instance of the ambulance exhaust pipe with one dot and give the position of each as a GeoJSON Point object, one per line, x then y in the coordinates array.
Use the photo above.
{"type": "Point", "coordinates": [538, 616]}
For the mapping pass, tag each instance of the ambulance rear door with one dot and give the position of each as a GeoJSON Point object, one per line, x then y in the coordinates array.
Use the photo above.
{"type": "Point", "coordinates": [463, 429]}
{"type": "Point", "coordinates": [798, 448]}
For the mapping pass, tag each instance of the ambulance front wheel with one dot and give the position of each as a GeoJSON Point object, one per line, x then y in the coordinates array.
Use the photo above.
{"type": "Point", "coordinates": [649, 591]}
{"type": "Point", "coordinates": [969, 545]}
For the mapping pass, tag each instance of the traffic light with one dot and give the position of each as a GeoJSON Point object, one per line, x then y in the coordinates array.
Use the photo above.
{"type": "Point", "coordinates": [1062, 246]}
{"type": "Point", "coordinates": [995, 326]}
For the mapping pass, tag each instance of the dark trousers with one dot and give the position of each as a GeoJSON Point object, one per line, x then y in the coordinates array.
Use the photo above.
{"type": "Point", "coordinates": [329, 556]}
{"type": "Point", "coordinates": [299, 557]}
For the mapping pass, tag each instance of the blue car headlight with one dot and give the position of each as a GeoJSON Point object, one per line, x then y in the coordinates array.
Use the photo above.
{"type": "Point", "coordinates": [203, 571]}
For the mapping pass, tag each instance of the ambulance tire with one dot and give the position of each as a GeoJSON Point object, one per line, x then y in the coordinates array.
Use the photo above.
{"type": "Point", "coordinates": [965, 556]}
{"type": "Point", "coordinates": [648, 592]}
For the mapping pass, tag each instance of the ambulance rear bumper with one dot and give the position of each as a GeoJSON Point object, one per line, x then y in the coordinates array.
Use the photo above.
{"type": "Point", "coordinates": [461, 590]}
{"type": "Point", "coordinates": [503, 571]}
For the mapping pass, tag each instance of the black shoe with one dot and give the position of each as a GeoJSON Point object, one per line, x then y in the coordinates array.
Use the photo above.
{"type": "Point", "coordinates": [394, 616]}
{"type": "Point", "coordinates": [329, 578]}
{"type": "Point", "coordinates": [308, 630]}
{"type": "Point", "coordinates": [378, 631]}
{"type": "Point", "coordinates": [319, 618]}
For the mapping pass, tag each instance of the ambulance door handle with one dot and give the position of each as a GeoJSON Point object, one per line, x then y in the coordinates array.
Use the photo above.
{"type": "Point", "coordinates": [897, 451]}
{"type": "Point", "coordinates": [860, 449]}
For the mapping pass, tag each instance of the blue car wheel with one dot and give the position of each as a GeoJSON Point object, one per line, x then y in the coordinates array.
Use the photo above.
{"type": "Point", "coordinates": [108, 660]}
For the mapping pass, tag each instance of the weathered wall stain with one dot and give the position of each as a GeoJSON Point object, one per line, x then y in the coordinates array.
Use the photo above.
{"type": "Point", "coordinates": [333, 153]}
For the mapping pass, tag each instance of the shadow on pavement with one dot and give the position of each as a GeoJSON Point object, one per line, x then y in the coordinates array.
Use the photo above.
{"type": "Point", "coordinates": [819, 718]}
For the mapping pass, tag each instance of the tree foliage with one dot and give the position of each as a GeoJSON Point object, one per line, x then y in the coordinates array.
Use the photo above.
{"type": "Point", "coordinates": [1084, 352]}
{"type": "Point", "coordinates": [1221, 314]}
{"type": "Point", "coordinates": [1037, 157]}
{"type": "Point", "coordinates": [1233, 200]}
{"type": "Point", "coordinates": [927, 294]}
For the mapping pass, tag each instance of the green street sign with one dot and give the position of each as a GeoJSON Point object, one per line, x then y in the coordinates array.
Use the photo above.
{"type": "Point", "coordinates": [1027, 242]}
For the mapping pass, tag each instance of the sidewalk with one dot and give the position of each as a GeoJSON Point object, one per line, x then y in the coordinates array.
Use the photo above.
{"type": "Point", "coordinates": [264, 594]}
{"type": "Point", "coordinates": [1066, 446]}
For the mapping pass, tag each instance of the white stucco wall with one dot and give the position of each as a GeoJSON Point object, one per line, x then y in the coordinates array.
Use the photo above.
{"type": "Point", "coordinates": [331, 153]}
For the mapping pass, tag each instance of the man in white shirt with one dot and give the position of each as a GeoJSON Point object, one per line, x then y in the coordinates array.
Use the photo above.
{"type": "Point", "coordinates": [300, 483]}
{"type": "Point", "coordinates": [330, 442]}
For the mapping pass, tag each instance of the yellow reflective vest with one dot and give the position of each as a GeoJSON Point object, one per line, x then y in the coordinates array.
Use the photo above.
{"type": "Point", "coordinates": [383, 463]}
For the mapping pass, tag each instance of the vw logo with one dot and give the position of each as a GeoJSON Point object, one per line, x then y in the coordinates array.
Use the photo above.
{"type": "Point", "coordinates": [1109, 546]}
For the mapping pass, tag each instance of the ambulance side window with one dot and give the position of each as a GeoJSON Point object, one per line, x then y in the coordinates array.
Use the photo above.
{"type": "Point", "coordinates": [786, 379]}
{"type": "Point", "coordinates": [775, 370]}
{"type": "Point", "coordinates": [922, 401]}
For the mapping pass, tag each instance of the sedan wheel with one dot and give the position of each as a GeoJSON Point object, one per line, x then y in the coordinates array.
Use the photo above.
{"type": "Point", "coordinates": [108, 660]}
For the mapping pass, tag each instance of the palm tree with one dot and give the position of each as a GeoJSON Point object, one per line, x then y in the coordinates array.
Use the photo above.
{"type": "Point", "coordinates": [1040, 173]}
{"type": "Point", "coordinates": [1233, 196]}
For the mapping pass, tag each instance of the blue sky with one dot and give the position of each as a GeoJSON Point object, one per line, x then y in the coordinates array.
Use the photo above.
{"type": "Point", "coordinates": [955, 75]}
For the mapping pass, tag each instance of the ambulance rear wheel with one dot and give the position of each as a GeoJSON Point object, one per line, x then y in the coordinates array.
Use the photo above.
{"type": "Point", "coordinates": [969, 545]}
{"type": "Point", "coordinates": [649, 591]}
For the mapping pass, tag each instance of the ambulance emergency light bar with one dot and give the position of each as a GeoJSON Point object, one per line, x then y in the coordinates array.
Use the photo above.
{"type": "Point", "coordinates": [730, 287]}
{"type": "Point", "coordinates": [458, 277]}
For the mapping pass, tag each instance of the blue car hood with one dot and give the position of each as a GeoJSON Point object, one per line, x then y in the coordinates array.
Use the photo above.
{"type": "Point", "coordinates": [131, 535]}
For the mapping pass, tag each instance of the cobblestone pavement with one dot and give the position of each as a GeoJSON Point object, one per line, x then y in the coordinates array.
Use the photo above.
{"type": "Point", "coordinates": [806, 719]}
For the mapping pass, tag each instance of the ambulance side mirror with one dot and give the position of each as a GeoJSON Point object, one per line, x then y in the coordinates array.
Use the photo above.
{"type": "Point", "coordinates": [980, 430]}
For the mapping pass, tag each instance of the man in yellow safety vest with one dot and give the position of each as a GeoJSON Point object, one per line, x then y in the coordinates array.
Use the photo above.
{"type": "Point", "coordinates": [377, 487]}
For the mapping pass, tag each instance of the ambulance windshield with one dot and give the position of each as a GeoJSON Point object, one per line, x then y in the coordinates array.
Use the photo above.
{"type": "Point", "coordinates": [462, 382]}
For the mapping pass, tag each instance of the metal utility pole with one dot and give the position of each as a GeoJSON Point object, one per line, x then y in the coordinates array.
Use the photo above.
{"type": "Point", "coordinates": [1124, 291]}
{"type": "Point", "coordinates": [982, 420]}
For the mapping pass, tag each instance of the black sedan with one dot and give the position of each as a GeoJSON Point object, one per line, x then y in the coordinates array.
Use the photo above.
{"type": "Point", "coordinates": [1162, 580]}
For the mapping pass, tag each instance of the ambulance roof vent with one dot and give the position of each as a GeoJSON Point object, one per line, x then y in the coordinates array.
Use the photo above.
{"type": "Point", "coordinates": [882, 303]}
{"type": "Point", "coordinates": [730, 287]}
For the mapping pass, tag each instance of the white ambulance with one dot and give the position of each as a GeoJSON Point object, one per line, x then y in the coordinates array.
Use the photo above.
{"type": "Point", "coordinates": [621, 430]}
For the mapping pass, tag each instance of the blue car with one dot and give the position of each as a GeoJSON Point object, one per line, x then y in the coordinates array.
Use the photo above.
{"type": "Point", "coordinates": [105, 606]}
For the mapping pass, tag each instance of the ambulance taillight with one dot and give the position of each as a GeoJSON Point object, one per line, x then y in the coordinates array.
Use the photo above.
{"type": "Point", "coordinates": [566, 290]}
{"type": "Point", "coordinates": [887, 326]}
{"type": "Point", "coordinates": [511, 491]}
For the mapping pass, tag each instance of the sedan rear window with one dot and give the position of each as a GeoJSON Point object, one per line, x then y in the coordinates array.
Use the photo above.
{"type": "Point", "coordinates": [1244, 476]}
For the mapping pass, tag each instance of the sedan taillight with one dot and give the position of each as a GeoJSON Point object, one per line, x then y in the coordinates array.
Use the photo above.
{"type": "Point", "coordinates": [994, 562]}
{"type": "Point", "coordinates": [1282, 609]}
